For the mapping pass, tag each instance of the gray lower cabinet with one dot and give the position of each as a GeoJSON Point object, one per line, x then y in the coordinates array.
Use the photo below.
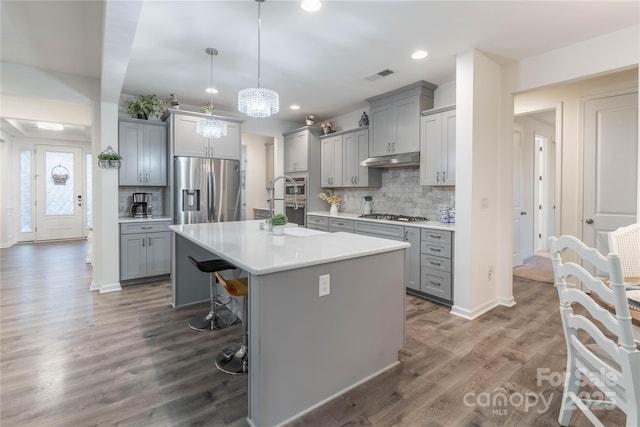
{"type": "Point", "coordinates": [340, 224]}
{"type": "Point", "coordinates": [412, 258]}
{"type": "Point", "coordinates": [145, 249]}
{"type": "Point", "coordinates": [260, 213]}
{"type": "Point", "coordinates": [319, 223]}
{"type": "Point", "coordinates": [436, 260]}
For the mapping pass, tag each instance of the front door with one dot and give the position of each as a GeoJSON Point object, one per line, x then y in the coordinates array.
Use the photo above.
{"type": "Point", "coordinates": [610, 167]}
{"type": "Point", "coordinates": [59, 197]}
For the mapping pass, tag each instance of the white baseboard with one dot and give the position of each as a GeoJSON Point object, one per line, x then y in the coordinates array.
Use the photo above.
{"type": "Point", "coordinates": [476, 312]}
{"type": "Point", "coordinates": [507, 302]}
{"type": "Point", "coordinates": [95, 286]}
{"type": "Point", "coordinates": [112, 287]}
{"type": "Point", "coordinates": [6, 245]}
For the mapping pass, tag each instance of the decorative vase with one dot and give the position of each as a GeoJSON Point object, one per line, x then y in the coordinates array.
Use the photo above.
{"type": "Point", "coordinates": [326, 130]}
{"type": "Point", "coordinates": [143, 116]}
{"type": "Point", "coordinates": [333, 210]}
{"type": "Point", "coordinates": [364, 120]}
{"type": "Point", "coordinates": [278, 230]}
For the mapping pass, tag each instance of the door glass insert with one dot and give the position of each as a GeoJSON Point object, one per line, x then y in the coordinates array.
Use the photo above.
{"type": "Point", "coordinates": [26, 192]}
{"type": "Point", "coordinates": [59, 195]}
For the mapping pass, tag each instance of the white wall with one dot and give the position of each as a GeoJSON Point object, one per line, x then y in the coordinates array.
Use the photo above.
{"type": "Point", "coordinates": [7, 216]}
{"type": "Point", "coordinates": [257, 193]}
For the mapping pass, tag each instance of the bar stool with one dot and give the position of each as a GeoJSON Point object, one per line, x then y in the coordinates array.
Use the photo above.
{"type": "Point", "coordinates": [217, 317]}
{"type": "Point", "coordinates": [234, 359]}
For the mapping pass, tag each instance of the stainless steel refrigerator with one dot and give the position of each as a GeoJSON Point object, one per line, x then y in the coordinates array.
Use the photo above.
{"type": "Point", "coordinates": [206, 190]}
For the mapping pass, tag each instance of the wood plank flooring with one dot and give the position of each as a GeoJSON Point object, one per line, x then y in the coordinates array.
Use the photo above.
{"type": "Point", "coordinates": [71, 357]}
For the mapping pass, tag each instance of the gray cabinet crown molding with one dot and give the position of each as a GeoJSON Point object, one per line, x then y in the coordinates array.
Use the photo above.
{"type": "Point", "coordinates": [171, 111]}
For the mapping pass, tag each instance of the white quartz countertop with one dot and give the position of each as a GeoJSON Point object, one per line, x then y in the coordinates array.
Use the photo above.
{"type": "Point", "coordinates": [256, 251]}
{"type": "Point", "coordinates": [436, 225]}
{"type": "Point", "coordinates": [128, 219]}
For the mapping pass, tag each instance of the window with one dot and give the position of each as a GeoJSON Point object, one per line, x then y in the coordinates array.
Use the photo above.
{"type": "Point", "coordinates": [26, 192]}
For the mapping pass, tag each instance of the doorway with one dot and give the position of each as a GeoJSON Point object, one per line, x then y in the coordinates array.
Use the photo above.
{"type": "Point", "coordinates": [52, 192]}
{"type": "Point", "coordinates": [534, 183]}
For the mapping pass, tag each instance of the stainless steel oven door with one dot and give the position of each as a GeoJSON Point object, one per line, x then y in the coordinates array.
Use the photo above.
{"type": "Point", "coordinates": [301, 183]}
{"type": "Point", "coordinates": [299, 216]}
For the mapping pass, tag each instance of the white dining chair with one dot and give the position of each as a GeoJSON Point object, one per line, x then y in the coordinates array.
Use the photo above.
{"type": "Point", "coordinates": [625, 241]}
{"type": "Point", "coordinates": [611, 364]}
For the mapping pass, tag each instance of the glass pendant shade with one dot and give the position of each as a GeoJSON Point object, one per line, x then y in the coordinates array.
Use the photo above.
{"type": "Point", "coordinates": [211, 128]}
{"type": "Point", "coordinates": [258, 102]}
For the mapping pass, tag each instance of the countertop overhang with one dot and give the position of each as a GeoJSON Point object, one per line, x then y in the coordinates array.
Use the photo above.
{"type": "Point", "coordinates": [260, 252]}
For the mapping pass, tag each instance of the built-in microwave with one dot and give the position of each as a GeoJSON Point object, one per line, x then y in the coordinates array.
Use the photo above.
{"type": "Point", "coordinates": [301, 183]}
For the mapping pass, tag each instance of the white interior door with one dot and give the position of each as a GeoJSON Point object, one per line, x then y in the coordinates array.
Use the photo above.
{"type": "Point", "coordinates": [517, 199]}
{"type": "Point", "coordinates": [59, 197]}
{"type": "Point", "coordinates": [610, 167]}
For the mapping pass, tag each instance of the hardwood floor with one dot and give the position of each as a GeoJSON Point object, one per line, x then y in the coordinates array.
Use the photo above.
{"type": "Point", "coordinates": [71, 357]}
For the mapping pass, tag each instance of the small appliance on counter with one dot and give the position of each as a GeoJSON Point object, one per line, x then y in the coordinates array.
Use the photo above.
{"type": "Point", "coordinates": [368, 204]}
{"type": "Point", "coordinates": [141, 205]}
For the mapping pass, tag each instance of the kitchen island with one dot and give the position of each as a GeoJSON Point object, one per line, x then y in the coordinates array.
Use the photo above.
{"type": "Point", "coordinates": [305, 349]}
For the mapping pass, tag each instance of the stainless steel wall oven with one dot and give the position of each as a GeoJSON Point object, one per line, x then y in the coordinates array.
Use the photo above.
{"type": "Point", "coordinates": [299, 216]}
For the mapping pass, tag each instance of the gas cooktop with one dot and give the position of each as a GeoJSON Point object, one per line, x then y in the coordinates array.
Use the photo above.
{"type": "Point", "coordinates": [392, 217]}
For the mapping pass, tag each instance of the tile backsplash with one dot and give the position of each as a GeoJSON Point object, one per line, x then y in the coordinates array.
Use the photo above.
{"type": "Point", "coordinates": [401, 193]}
{"type": "Point", "coordinates": [125, 195]}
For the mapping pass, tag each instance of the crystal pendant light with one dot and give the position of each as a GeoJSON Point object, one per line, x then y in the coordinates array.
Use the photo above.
{"type": "Point", "coordinates": [258, 102]}
{"type": "Point", "coordinates": [211, 127]}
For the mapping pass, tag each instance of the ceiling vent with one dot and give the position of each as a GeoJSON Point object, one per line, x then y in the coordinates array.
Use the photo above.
{"type": "Point", "coordinates": [380, 74]}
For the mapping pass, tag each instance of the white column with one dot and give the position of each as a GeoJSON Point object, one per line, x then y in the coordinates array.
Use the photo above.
{"type": "Point", "coordinates": [479, 186]}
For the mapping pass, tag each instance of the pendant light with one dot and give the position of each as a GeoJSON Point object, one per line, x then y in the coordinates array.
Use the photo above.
{"type": "Point", "coordinates": [211, 127]}
{"type": "Point", "coordinates": [258, 101]}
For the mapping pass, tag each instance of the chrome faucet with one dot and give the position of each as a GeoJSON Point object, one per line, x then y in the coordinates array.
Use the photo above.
{"type": "Point", "coordinates": [271, 189]}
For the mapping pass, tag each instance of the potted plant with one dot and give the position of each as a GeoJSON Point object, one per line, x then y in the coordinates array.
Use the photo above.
{"type": "Point", "coordinates": [109, 159]}
{"type": "Point", "coordinates": [145, 106]}
{"type": "Point", "coordinates": [208, 108]}
{"type": "Point", "coordinates": [327, 127]}
{"type": "Point", "coordinates": [333, 199]}
{"type": "Point", "coordinates": [278, 222]}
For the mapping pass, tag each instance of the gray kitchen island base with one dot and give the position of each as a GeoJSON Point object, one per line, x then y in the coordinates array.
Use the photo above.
{"type": "Point", "coordinates": [305, 349]}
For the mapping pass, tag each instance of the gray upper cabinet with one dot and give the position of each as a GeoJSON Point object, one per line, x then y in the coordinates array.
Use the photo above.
{"type": "Point", "coordinates": [296, 149]}
{"type": "Point", "coordinates": [143, 148]}
{"type": "Point", "coordinates": [188, 143]}
{"type": "Point", "coordinates": [341, 155]}
{"type": "Point", "coordinates": [355, 148]}
{"type": "Point", "coordinates": [331, 161]}
{"type": "Point", "coordinates": [438, 147]}
{"type": "Point", "coordinates": [395, 119]}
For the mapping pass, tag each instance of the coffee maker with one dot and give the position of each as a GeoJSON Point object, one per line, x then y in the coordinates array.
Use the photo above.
{"type": "Point", "coordinates": [141, 205]}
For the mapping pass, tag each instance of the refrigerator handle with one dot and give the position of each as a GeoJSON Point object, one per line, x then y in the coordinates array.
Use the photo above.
{"type": "Point", "coordinates": [212, 200]}
{"type": "Point", "coordinates": [210, 196]}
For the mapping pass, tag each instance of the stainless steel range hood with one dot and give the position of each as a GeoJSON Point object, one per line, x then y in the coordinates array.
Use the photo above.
{"type": "Point", "coordinates": [393, 161]}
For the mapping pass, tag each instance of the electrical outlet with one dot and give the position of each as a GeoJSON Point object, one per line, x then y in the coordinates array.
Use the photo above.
{"type": "Point", "coordinates": [490, 271]}
{"type": "Point", "coordinates": [325, 285]}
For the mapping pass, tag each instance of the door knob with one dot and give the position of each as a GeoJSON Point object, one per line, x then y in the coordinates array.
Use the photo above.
{"type": "Point", "coordinates": [589, 221]}
{"type": "Point", "coordinates": [523, 212]}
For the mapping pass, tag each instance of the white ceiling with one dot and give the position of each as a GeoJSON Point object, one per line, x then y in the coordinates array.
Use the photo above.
{"type": "Point", "coordinates": [316, 60]}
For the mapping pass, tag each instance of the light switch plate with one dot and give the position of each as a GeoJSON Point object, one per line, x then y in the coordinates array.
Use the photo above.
{"type": "Point", "coordinates": [324, 285]}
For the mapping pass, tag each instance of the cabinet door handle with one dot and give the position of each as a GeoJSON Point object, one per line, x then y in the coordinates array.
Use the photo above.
{"type": "Point", "coordinates": [435, 263]}
{"type": "Point", "coordinates": [406, 235]}
{"type": "Point", "coordinates": [149, 241]}
{"type": "Point", "coordinates": [437, 176]}
{"type": "Point", "coordinates": [434, 283]}
{"type": "Point", "coordinates": [143, 239]}
{"type": "Point", "coordinates": [435, 236]}
{"type": "Point", "coordinates": [444, 176]}
{"type": "Point", "coordinates": [393, 147]}
{"type": "Point", "coordinates": [434, 250]}
{"type": "Point", "coordinates": [357, 179]}
{"type": "Point", "coordinates": [140, 177]}
{"type": "Point", "coordinates": [147, 228]}
{"type": "Point", "coordinates": [146, 178]}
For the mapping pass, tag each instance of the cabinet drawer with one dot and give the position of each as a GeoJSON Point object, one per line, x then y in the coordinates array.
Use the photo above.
{"type": "Point", "coordinates": [441, 250]}
{"type": "Point", "coordinates": [318, 221]}
{"type": "Point", "coordinates": [336, 224]}
{"type": "Point", "coordinates": [317, 227]}
{"type": "Point", "coordinates": [380, 230]}
{"type": "Point", "coordinates": [144, 227]}
{"type": "Point", "coordinates": [436, 263]}
{"type": "Point", "coordinates": [436, 283]}
{"type": "Point", "coordinates": [260, 214]}
{"type": "Point", "coordinates": [437, 236]}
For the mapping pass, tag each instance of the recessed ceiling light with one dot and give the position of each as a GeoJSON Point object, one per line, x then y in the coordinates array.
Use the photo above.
{"type": "Point", "coordinates": [50, 126]}
{"type": "Point", "coordinates": [311, 5]}
{"type": "Point", "coordinates": [211, 90]}
{"type": "Point", "coordinates": [295, 107]}
{"type": "Point", "coordinates": [419, 54]}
